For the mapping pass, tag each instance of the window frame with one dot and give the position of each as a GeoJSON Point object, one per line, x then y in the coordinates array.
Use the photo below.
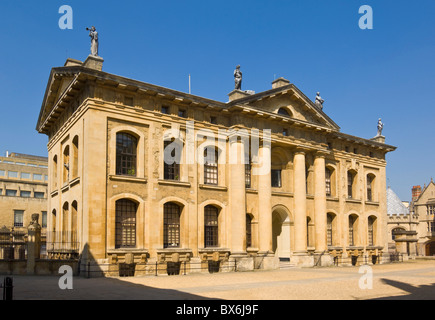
{"type": "Point", "coordinates": [171, 225]}
{"type": "Point", "coordinates": [211, 226]}
{"type": "Point", "coordinates": [125, 223]}
{"type": "Point", "coordinates": [126, 162]}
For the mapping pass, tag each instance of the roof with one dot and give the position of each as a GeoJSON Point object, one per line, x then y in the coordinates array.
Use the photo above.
{"type": "Point", "coordinates": [394, 204]}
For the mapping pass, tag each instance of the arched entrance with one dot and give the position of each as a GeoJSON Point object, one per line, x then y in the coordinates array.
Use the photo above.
{"type": "Point", "coordinates": [281, 232]}
{"type": "Point", "coordinates": [430, 249]}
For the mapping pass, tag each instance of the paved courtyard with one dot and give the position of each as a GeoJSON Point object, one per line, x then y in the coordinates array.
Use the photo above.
{"type": "Point", "coordinates": [407, 280]}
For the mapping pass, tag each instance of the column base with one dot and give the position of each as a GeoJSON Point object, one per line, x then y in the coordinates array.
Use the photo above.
{"type": "Point", "coordinates": [302, 259]}
{"type": "Point", "coordinates": [241, 262]}
{"type": "Point", "coordinates": [266, 261]}
{"type": "Point", "coordinates": [323, 259]}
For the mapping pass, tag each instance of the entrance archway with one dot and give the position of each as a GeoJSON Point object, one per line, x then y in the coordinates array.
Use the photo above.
{"type": "Point", "coordinates": [430, 249]}
{"type": "Point", "coordinates": [281, 232]}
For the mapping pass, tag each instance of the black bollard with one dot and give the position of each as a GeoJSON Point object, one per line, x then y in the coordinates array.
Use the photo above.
{"type": "Point", "coordinates": [7, 288]}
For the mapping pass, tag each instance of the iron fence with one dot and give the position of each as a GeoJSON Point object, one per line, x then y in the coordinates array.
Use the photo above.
{"type": "Point", "coordinates": [13, 244]}
{"type": "Point", "coordinates": [62, 245]}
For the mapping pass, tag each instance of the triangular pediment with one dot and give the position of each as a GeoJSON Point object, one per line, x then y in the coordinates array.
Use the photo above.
{"type": "Point", "coordinates": [288, 101]}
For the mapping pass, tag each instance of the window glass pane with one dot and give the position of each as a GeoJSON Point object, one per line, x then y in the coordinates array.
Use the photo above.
{"type": "Point", "coordinates": [39, 195]}
{"type": "Point", "coordinates": [211, 226]}
{"type": "Point", "coordinates": [126, 148]}
{"type": "Point", "coordinates": [44, 219]}
{"type": "Point", "coordinates": [276, 178]}
{"type": "Point", "coordinates": [25, 194]}
{"type": "Point", "coordinates": [11, 193]}
{"type": "Point", "coordinates": [125, 224]}
{"type": "Point", "coordinates": [2, 173]}
{"type": "Point", "coordinates": [12, 174]}
{"type": "Point", "coordinates": [210, 166]}
{"type": "Point", "coordinates": [25, 175]}
{"type": "Point", "coordinates": [37, 176]}
{"type": "Point", "coordinates": [18, 218]}
{"type": "Point", "coordinates": [171, 227]}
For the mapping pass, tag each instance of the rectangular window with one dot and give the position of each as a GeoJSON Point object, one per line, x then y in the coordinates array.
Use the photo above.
{"type": "Point", "coordinates": [44, 219]}
{"type": "Point", "coordinates": [165, 109]}
{"type": "Point", "coordinates": [172, 170]}
{"type": "Point", "coordinates": [182, 113]}
{"type": "Point", "coordinates": [25, 175]}
{"type": "Point", "coordinates": [37, 176]}
{"type": "Point", "coordinates": [39, 195]}
{"type": "Point", "coordinates": [349, 185]}
{"type": "Point", "coordinates": [11, 193]}
{"type": "Point", "coordinates": [210, 166]}
{"type": "Point", "coordinates": [18, 218]}
{"type": "Point", "coordinates": [329, 230]}
{"type": "Point", "coordinates": [25, 194]}
{"type": "Point", "coordinates": [369, 188]}
{"type": "Point", "coordinates": [328, 182]}
{"type": "Point", "coordinates": [171, 226]}
{"type": "Point", "coordinates": [247, 175]}
{"type": "Point", "coordinates": [2, 173]}
{"type": "Point", "coordinates": [431, 209]}
{"type": "Point", "coordinates": [213, 120]}
{"type": "Point", "coordinates": [12, 174]}
{"type": "Point", "coordinates": [276, 178]}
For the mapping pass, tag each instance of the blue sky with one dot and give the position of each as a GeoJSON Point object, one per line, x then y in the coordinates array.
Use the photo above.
{"type": "Point", "coordinates": [385, 72]}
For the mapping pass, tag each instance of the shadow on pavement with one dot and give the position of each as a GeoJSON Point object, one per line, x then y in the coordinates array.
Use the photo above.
{"type": "Point", "coordinates": [423, 292]}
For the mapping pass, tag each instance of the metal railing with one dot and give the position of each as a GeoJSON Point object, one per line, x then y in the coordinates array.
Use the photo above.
{"type": "Point", "coordinates": [13, 244]}
{"type": "Point", "coordinates": [62, 245]}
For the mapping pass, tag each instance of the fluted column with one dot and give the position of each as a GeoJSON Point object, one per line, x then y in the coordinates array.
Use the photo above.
{"type": "Point", "coordinates": [300, 206]}
{"type": "Point", "coordinates": [237, 197]}
{"type": "Point", "coordinates": [320, 202]}
{"type": "Point", "coordinates": [264, 201]}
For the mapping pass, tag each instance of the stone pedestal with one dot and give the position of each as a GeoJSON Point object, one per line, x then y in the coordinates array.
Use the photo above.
{"type": "Point", "coordinates": [302, 259]}
{"type": "Point", "coordinates": [93, 62]}
{"type": "Point", "coordinates": [266, 261]}
{"type": "Point", "coordinates": [33, 243]}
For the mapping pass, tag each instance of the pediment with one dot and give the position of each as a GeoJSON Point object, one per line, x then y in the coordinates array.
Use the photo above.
{"type": "Point", "coordinates": [288, 101]}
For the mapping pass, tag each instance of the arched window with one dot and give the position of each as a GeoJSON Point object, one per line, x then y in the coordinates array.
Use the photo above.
{"type": "Point", "coordinates": [329, 229]}
{"type": "Point", "coordinates": [211, 214]}
{"type": "Point", "coordinates": [172, 160]}
{"type": "Point", "coordinates": [211, 165]}
{"type": "Point", "coordinates": [126, 151]}
{"type": "Point", "coordinates": [371, 231]}
{"type": "Point", "coordinates": [65, 222]}
{"type": "Point", "coordinates": [351, 184]}
{"type": "Point", "coordinates": [125, 223]}
{"type": "Point", "coordinates": [74, 221]}
{"type": "Point", "coordinates": [283, 112]}
{"type": "Point", "coordinates": [352, 229]}
{"type": "Point", "coordinates": [171, 225]}
{"type": "Point", "coordinates": [328, 182]}
{"type": "Point", "coordinates": [248, 231]}
{"type": "Point", "coordinates": [75, 162]}
{"type": "Point", "coordinates": [66, 165]}
{"type": "Point", "coordinates": [54, 172]}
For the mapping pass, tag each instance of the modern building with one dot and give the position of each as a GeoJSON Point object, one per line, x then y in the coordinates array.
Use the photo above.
{"type": "Point", "coordinates": [144, 174]}
{"type": "Point", "coordinates": [23, 190]}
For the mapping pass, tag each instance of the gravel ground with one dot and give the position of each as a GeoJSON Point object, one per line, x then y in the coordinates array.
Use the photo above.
{"type": "Point", "coordinates": [408, 280]}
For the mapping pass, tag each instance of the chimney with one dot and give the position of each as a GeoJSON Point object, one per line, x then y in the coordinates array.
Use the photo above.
{"type": "Point", "coordinates": [280, 82]}
{"type": "Point", "coordinates": [416, 191]}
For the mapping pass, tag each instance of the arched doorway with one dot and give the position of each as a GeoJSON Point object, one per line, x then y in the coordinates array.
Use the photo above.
{"type": "Point", "coordinates": [281, 233]}
{"type": "Point", "coordinates": [430, 249]}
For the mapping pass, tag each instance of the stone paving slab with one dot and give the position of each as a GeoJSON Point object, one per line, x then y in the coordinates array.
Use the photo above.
{"type": "Point", "coordinates": [407, 280]}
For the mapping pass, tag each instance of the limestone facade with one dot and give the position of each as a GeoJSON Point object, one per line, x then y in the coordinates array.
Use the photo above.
{"type": "Point", "coordinates": [322, 200]}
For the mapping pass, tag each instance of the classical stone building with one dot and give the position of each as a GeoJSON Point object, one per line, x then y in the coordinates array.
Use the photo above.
{"type": "Point", "coordinates": [23, 189]}
{"type": "Point", "coordinates": [411, 229]}
{"type": "Point", "coordinates": [321, 198]}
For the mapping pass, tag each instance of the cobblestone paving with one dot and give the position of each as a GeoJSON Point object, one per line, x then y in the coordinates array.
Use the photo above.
{"type": "Point", "coordinates": [408, 280]}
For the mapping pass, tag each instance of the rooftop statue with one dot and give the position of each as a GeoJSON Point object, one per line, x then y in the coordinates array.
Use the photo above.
{"type": "Point", "coordinates": [380, 127]}
{"type": "Point", "coordinates": [319, 101]}
{"type": "Point", "coordinates": [238, 78]}
{"type": "Point", "coordinates": [94, 40]}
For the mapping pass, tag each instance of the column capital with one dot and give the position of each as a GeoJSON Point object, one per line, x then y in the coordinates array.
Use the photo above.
{"type": "Point", "coordinates": [320, 154]}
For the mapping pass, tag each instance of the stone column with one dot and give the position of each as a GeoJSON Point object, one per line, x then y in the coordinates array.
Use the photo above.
{"type": "Point", "coordinates": [265, 204]}
{"type": "Point", "coordinates": [33, 243]}
{"type": "Point", "coordinates": [320, 203]}
{"type": "Point", "coordinates": [237, 197]}
{"type": "Point", "coordinates": [300, 206]}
